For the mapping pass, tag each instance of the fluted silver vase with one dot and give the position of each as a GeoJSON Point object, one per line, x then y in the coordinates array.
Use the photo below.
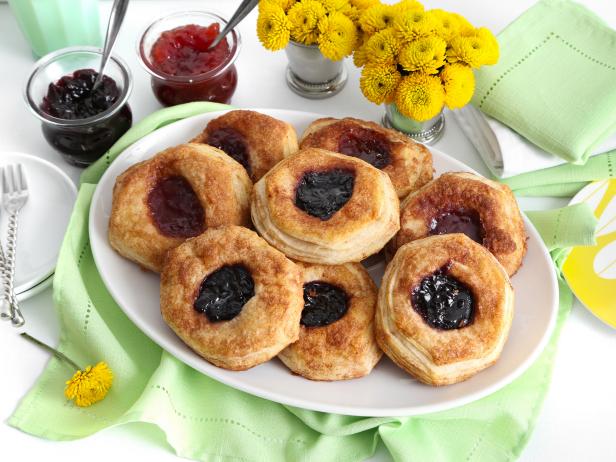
{"type": "Point", "coordinates": [426, 131]}
{"type": "Point", "coordinates": [312, 75]}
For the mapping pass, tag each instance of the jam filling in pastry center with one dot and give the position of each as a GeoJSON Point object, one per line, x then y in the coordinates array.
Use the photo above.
{"type": "Point", "coordinates": [232, 143]}
{"type": "Point", "coordinates": [323, 304]}
{"type": "Point", "coordinates": [224, 293]}
{"type": "Point", "coordinates": [321, 194]}
{"type": "Point", "coordinates": [175, 208]}
{"type": "Point", "coordinates": [367, 145]}
{"type": "Point", "coordinates": [459, 221]}
{"type": "Point", "coordinates": [443, 301]}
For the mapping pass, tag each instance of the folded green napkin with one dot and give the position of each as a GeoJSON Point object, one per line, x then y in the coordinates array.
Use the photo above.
{"type": "Point", "coordinates": [554, 81]}
{"type": "Point", "coordinates": [206, 420]}
{"type": "Point", "coordinates": [564, 180]}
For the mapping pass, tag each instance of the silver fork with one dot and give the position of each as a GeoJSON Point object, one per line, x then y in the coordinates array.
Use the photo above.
{"type": "Point", "coordinates": [14, 196]}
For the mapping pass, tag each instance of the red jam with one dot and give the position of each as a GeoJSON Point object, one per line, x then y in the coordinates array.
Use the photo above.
{"type": "Point", "coordinates": [184, 56]}
{"type": "Point", "coordinates": [176, 209]}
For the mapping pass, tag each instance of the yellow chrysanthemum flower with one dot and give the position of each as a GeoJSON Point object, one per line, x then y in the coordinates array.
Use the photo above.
{"type": "Point", "coordinates": [335, 5]}
{"type": "Point", "coordinates": [304, 17]}
{"type": "Point", "coordinates": [360, 57]}
{"type": "Point", "coordinates": [89, 386]}
{"type": "Point", "coordinates": [376, 18]}
{"type": "Point", "coordinates": [459, 84]}
{"type": "Point", "coordinates": [378, 82]}
{"type": "Point", "coordinates": [407, 5]}
{"type": "Point", "coordinates": [273, 27]}
{"type": "Point", "coordinates": [425, 54]}
{"type": "Point", "coordinates": [284, 4]}
{"type": "Point", "coordinates": [420, 96]}
{"type": "Point", "coordinates": [475, 50]}
{"type": "Point", "coordinates": [464, 27]}
{"type": "Point", "coordinates": [448, 24]}
{"type": "Point", "coordinates": [491, 44]}
{"type": "Point", "coordinates": [363, 4]}
{"type": "Point", "coordinates": [337, 36]}
{"type": "Point", "coordinates": [382, 47]}
{"type": "Point", "coordinates": [415, 24]}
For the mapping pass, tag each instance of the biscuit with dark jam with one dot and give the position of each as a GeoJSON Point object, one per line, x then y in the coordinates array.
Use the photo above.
{"type": "Point", "coordinates": [367, 145]}
{"type": "Point", "coordinates": [321, 194]}
{"type": "Point", "coordinates": [323, 304]}
{"type": "Point", "coordinates": [232, 143]}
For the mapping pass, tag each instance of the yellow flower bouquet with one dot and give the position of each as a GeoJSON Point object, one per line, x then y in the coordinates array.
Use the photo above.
{"type": "Point", "coordinates": [329, 24]}
{"type": "Point", "coordinates": [420, 60]}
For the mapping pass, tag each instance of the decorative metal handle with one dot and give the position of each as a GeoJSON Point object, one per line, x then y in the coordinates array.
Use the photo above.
{"type": "Point", "coordinates": [116, 18]}
{"type": "Point", "coordinates": [5, 304]}
{"type": "Point", "coordinates": [9, 271]}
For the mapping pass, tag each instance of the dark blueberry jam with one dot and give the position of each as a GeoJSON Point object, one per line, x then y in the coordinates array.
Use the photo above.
{"type": "Point", "coordinates": [459, 221]}
{"type": "Point", "coordinates": [232, 142]}
{"type": "Point", "coordinates": [176, 209]}
{"type": "Point", "coordinates": [323, 304]}
{"type": "Point", "coordinates": [224, 293]}
{"type": "Point", "coordinates": [443, 301]}
{"type": "Point", "coordinates": [367, 145]}
{"type": "Point", "coordinates": [71, 98]}
{"type": "Point", "coordinates": [321, 194]}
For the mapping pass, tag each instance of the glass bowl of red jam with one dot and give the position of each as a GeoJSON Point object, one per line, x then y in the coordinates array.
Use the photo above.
{"type": "Point", "coordinates": [79, 121]}
{"type": "Point", "coordinates": [175, 51]}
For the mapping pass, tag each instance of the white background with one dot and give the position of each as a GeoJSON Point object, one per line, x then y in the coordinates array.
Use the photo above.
{"type": "Point", "coordinates": [578, 421]}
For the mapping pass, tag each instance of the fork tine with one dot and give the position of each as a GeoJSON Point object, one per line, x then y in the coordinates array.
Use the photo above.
{"type": "Point", "coordinates": [5, 181]}
{"type": "Point", "coordinates": [22, 177]}
{"type": "Point", "coordinates": [13, 176]}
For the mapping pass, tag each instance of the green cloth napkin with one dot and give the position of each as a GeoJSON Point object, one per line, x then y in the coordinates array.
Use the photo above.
{"type": "Point", "coordinates": [203, 419]}
{"type": "Point", "coordinates": [564, 180]}
{"type": "Point", "coordinates": [554, 81]}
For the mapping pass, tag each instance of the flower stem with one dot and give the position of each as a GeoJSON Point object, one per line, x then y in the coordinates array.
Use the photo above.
{"type": "Point", "coordinates": [53, 351]}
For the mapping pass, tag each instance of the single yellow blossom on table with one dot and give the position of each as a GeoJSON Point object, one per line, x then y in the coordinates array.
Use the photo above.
{"type": "Point", "coordinates": [304, 17]}
{"type": "Point", "coordinates": [459, 84]}
{"type": "Point", "coordinates": [425, 54]}
{"type": "Point", "coordinates": [420, 96]}
{"type": "Point", "coordinates": [273, 27]}
{"type": "Point", "coordinates": [382, 47]}
{"type": "Point", "coordinates": [415, 24]}
{"type": "Point", "coordinates": [376, 18]}
{"type": "Point", "coordinates": [378, 82]}
{"type": "Point", "coordinates": [90, 385]}
{"type": "Point", "coordinates": [337, 36]}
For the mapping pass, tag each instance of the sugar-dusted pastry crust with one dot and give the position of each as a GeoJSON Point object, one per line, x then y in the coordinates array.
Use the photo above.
{"type": "Point", "coordinates": [494, 203]}
{"type": "Point", "coordinates": [267, 323]}
{"type": "Point", "coordinates": [267, 139]}
{"type": "Point", "coordinates": [435, 356]}
{"type": "Point", "coordinates": [346, 348]}
{"type": "Point", "coordinates": [220, 184]}
{"type": "Point", "coordinates": [359, 229]}
{"type": "Point", "coordinates": [410, 164]}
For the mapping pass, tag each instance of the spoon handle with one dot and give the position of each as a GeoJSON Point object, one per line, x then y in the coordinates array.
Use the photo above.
{"type": "Point", "coordinates": [116, 17]}
{"type": "Point", "coordinates": [245, 7]}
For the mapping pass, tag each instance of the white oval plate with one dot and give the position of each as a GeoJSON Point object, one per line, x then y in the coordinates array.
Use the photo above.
{"type": "Point", "coordinates": [42, 221]}
{"type": "Point", "coordinates": [388, 390]}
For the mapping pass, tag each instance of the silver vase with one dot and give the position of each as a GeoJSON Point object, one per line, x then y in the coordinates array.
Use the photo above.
{"type": "Point", "coordinates": [312, 75]}
{"type": "Point", "coordinates": [426, 131]}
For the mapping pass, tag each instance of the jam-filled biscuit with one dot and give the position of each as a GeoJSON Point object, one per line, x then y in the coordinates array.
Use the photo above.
{"type": "Point", "coordinates": [322, 207]}
{"type": "Point", "coordinates": [408, 164]}
{"type": "Point", "coordinates": [177, 194]}
{"type": "Point", "coordinates": [444, 309]}
{"type": "Point", "coordinates": [231, 297]}
{"type": "Point", "coordinates": [484, 210]}
{"type": "Point", "coordinates": [255, 140]}
{"type": "Point", "coordinates": [336, 338]}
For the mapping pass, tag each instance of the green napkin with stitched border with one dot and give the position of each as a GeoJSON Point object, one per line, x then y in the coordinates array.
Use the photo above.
{"type": "Point", "coordinates": [554, 81]}
{"type": "Point", "coordinates": [206, 420]}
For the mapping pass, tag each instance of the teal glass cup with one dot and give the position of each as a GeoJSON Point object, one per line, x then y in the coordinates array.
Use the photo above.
{"type": "Point", "coordinates": [50, 25]}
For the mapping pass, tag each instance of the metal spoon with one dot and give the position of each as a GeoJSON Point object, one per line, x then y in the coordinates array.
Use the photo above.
{"type": "Point", "coordinates": [116, 17]}
{"type": "Point", "coordinates": [245, 7]}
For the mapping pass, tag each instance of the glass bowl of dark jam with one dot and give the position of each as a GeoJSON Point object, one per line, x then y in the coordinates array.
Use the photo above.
{"type": "Point", "coordinates": [79, 121]}
{"type": "Point", "coordinates": [175, 51]}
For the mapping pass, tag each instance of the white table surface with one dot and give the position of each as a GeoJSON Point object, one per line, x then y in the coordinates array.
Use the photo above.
{"type": "Point", "coordinates": [578, 420]}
